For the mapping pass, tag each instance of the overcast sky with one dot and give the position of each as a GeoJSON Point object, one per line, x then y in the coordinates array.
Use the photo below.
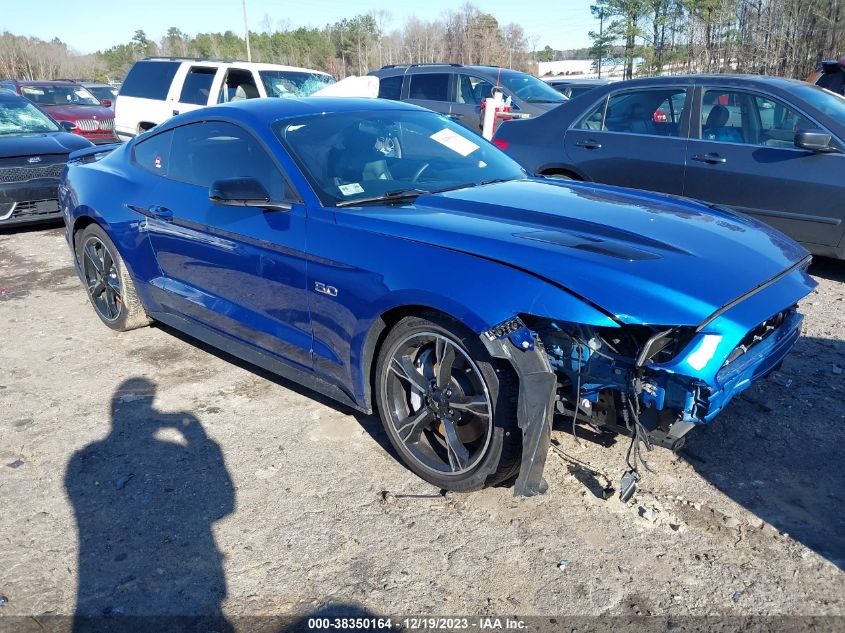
{"type": "Point", "coordinates": [98, 24]}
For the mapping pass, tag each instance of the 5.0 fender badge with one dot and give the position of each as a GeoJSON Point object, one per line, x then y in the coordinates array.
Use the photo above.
{"type": "Point", "coordinates": [324, 289]}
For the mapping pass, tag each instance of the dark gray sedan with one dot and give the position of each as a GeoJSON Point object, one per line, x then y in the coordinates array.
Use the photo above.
{"type": "Point", "coordinates": [770, 148]}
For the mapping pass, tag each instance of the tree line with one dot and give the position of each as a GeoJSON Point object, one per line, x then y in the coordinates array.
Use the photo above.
{"type": "Point", "coordinates": [648, 37]}
{"type": "Point", "coordinates": [767, 37]}
{"type": "Point", "coordinates": [352, 46]}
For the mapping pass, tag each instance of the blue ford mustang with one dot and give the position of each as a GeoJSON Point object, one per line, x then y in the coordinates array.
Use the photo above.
{"type": "Point", "coordinates": [387, 257]}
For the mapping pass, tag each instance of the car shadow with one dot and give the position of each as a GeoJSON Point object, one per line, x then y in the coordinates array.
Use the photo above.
{"type": "Point", "coordinates": [828, 268]}
{"type": "Point", "coordinates": [35, 227]}
{"type": "Point", "coordinates": [777, 449]}
{"type": "Point", "coordinates": [145, 499]}
{"type": "Point", "coordinates": [370, 423]}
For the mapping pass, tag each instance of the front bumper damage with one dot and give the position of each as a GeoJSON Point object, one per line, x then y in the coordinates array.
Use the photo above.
{"type": "Point", "coordinates": [653, 383]}
{"type": "Point", "coordinates": [535, 406]}
{"type": "Point", "coordinates": [29, 202]}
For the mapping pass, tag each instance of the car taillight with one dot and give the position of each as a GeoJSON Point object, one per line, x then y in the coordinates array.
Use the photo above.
{"type": "Point", "coordinates": [501, 143]}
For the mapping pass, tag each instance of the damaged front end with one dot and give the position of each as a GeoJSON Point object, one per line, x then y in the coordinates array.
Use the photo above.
{"type": "Point", "coordinates": [650, 382]}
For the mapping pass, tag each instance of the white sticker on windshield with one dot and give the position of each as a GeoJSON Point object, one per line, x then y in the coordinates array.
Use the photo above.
{"type": "Point", "coordinates": [454, 142]}
{"type": "Point", "coordinates": [350, 189]}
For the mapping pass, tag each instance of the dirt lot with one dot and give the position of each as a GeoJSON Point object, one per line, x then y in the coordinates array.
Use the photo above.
{"type": "Point", "coordinates": [161, 476]}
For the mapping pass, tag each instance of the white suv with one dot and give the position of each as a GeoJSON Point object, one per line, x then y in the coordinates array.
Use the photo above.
{"type": "Point", "coordinates": [158, 88]}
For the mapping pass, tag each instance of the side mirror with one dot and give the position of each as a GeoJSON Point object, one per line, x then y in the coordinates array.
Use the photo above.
{"type": "Point", "coordinates": [814, 141]}
{"type": "Point", "coordinates": [69, 126]}
{"type": "Point", "coordinates": [106, 103]}
{"type": "Point", "coordinates": [242, 192]}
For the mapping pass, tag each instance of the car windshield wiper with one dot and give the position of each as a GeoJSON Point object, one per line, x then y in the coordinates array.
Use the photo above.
{"type": "Point", "coordinates": [387, 196]}
{"type": "Point", "coordinates": [469, 185]}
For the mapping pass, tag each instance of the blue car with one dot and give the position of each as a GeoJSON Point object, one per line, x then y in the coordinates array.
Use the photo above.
{"type": "Point", "coordinates": [389, 258]}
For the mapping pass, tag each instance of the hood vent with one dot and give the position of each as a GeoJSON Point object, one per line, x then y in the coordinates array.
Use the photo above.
{"type": "Point", "coordinates": [589, 243]}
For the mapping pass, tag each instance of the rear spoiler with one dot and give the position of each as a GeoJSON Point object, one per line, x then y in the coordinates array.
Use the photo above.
{"type": "Point", "coordinates": [91, 154]}
{"type": "Point", "coordinates": [829, 67]}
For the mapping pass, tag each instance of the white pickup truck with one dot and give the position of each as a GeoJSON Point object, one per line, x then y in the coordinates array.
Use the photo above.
{"type": "Point", "coordinates": [158, 88]}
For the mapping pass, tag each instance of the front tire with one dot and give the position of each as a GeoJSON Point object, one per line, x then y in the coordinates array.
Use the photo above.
{"type": "Point", "coordinates": [107, 281]}
{"type": "Point", "coordinates": [559, 175]}
{"type": "Point", "coordinates": [448, 408]}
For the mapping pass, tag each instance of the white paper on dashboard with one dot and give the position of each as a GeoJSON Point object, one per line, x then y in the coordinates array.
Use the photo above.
{"type": "Point", "coordinates": [350, 189]}
{"type": "Point", "coordinates": [454, 142]}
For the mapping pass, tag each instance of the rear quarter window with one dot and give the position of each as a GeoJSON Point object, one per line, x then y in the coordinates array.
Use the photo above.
{"type": "Point", "coordinates": [149, 80]}
{"type": "Point", "coordinates": [390, 87]}
{"type": "Point", "coordinates": [153, 154]}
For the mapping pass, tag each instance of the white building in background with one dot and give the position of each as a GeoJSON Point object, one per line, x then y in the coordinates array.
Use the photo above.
{"type": "Point", "coordinates": [582, 69]}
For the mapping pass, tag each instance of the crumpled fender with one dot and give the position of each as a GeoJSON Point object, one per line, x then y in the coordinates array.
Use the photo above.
{"type": "Point", "coordinates": [535, 406]}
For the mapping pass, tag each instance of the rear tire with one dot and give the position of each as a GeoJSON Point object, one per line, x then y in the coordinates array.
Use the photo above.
{"type": "Point", "coordinates": [108, 283]}
{"type": "Point", "coordinates": [447, 406]}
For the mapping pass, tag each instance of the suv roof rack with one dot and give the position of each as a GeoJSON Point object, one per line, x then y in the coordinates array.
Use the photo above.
{"type": "Point", "coordinates": [416, 65]}
{"type": "Point", "coordinates": [193, 59]}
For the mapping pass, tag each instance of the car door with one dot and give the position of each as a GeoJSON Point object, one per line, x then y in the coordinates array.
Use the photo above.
{"type": "Point", "coordinates": [431, 90]}
{"type": "Point", "coordinates": [238, 270]}
{"type": "Point", "coordinates": [743, 156]}
{"type": "Point", "coordinates": [470, 92]}
{"type": "Point", "coordinates": [633, 138]}
{"type": "Point", "coordinates": [196, 89]}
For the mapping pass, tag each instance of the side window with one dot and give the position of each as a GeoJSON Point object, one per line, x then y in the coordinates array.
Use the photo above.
{"type": "Point", "coordinates": [390, 87]}
{"type": "Point", "coordinates": [670, 110]}
{"type": "Point", "coordinates": [655, 112]}
{"type": "Point", "coordinates": [197, 85]}
{"type": "Point", "coordinates": [238, 85]}
{"type": "Point", "coordinates": [429, 86]}
{"type": "Point", "coordinates": [472, 90]}
{"type": "Point", "coordinates": [153, 154]}
{"type": "Point", "coordinates": [778, 123]}
{"type": "Point", "coordinates": [595, 118]}
{"type": "Point", "coordinates": [213, 150]}
{"type": "Point", "coordinates": [726, 115]}
{"type": "Point", "coordinates": [150, 80]}
{"type": "Point", "coordinates": [736, 116]}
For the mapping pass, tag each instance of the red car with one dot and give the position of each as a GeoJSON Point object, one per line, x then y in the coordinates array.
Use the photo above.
{"type": "Point", "coordinates": [67, 101]}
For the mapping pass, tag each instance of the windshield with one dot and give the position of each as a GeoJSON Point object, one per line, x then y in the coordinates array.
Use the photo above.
{"type": "Point", "coordinates": [59, 95]}
{"type": "Point", "coordinates": [349, 156]}
{"type": "Point", "coordinates": [103, 92]}
{"type": "Point", "coordinates": [20, 117]}
{"type": "Point", "coordinates": [832, 104]}
{"type": "Point", "coordinates": [529, 88]}
{"type": "Point", "coordinates": [290, 83]}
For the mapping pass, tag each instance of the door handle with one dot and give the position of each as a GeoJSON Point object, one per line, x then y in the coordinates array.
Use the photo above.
{"type": "Point", "coordinates": [153, 211]}
{"type": "Point", "coordinates": [710, 159]}
{"type": "Point", "coordinates": [175, 112]}
{"type": "Point", "coordinates": [455, 115]}
{"type": "Point", "coordinates": [590, 144]}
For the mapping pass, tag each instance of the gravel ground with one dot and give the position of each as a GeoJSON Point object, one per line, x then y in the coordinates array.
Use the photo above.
{"type": "Point", "coordinates": [144, 473]}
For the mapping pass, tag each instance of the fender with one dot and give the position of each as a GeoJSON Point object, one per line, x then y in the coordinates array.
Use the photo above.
{"type": "Point", "coordinates": [421, 291]}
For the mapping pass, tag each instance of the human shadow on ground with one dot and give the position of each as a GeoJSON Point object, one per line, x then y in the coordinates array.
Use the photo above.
{"type": "Point", "coordinates": [145, 499]}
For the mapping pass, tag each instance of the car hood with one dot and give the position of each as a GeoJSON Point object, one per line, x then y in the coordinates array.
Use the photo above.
{"type": "Point", "coordinates": [40, 144]}
{"type": "Point", "coordinates": [76, 112]}
{"type": "Point", "coordinates": [642, 257]}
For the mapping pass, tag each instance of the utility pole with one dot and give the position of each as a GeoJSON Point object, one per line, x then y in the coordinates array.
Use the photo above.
{"type": "Point", "coordinates": [246, 33]}
{"type": "Point", "coordinates": [601, 37]}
